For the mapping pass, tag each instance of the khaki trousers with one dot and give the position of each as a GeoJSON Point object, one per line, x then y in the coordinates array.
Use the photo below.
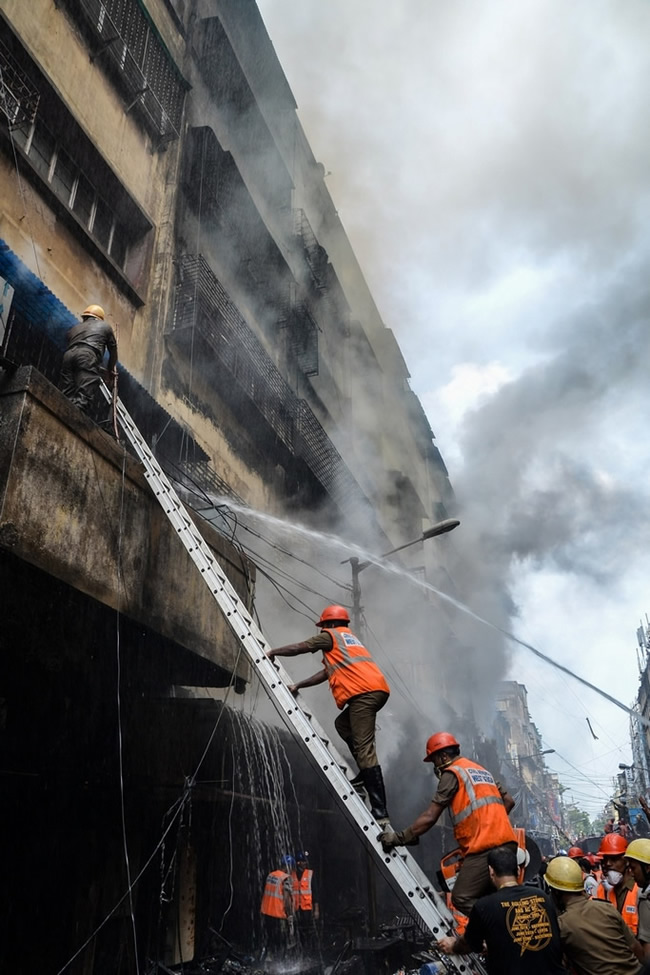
{"type": "Point", "coordinates": [356, 726]}
{"type": "Point", "coordinates": [473, 881]}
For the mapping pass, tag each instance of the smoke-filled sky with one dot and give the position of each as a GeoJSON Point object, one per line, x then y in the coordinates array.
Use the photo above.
{"type": "Point", "coordinates": [491, 164]}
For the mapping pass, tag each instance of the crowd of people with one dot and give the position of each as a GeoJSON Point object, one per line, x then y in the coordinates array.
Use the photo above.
{"type": "Point", "coordinates": [588, 914]}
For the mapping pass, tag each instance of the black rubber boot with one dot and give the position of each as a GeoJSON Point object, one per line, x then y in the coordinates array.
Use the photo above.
{"type": "Point", "coordinates": [374, 783]}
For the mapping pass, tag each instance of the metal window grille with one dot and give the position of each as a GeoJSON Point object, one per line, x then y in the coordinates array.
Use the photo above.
{"type": "Point", "coordinates": [18, 97]}
{"type": "Point", "coordinates": [202, 302]}
{"type": "Point", "coordinates": [315, 255]}
{"type": "Point", "coordinates": [125, 38]}
{"type": "Point", "coordinates": [303, 338]}
{"type": "Point", "coordinates": [203, 478]}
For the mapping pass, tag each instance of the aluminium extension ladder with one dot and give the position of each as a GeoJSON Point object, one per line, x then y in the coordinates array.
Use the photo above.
{"type": "Point", "coordinates": [408, 880]}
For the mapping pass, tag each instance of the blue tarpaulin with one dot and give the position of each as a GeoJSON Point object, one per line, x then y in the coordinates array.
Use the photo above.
{"type": "Point", "coordinates": [33, 300]}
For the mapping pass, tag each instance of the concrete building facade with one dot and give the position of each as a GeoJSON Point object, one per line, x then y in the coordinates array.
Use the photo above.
{"type": "Point", "coordinates": [152, 161]}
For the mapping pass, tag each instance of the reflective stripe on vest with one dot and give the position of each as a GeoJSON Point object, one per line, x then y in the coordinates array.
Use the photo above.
{"type": "Point", "coordinates": [630, 912]}
{"type": "Point", "coordinates": [273, 898]}
{"type": "Point", "coordinates": [350, 668]}
{"type": "Point", "coordinates": [477, 811]}
{"type": "Point", "coordinates": [302, 897]}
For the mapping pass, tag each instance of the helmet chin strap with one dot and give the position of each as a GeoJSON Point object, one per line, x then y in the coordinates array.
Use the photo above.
{"type": "Point", "coordinates": [439, 769]}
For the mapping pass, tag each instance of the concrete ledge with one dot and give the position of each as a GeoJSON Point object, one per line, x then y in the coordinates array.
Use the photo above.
{"type": "Point", "coordinates": [76, 505]}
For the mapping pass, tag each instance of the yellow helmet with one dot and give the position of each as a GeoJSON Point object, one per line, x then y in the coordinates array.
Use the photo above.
{"type": "Point", "coordinates": [94, 311]}
{"type": "Point", "coordinates": [638, 850]}
{"type": "Point", "coordinates": [563, 873]}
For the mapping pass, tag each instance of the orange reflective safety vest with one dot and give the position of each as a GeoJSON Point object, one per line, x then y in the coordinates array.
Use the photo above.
{"type": "Point", "coordinates": [273, 897]}
{"type": "Point", "coordinates": [630, 910]}
{"type": "Point", "coordinates": [350, 668]}
{"type": "Point", "coordinates": [478, 814]}
{"type": "Point", "coordinates": [302, 898]}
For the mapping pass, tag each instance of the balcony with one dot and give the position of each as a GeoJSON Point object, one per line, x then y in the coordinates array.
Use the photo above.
{"type": "Point", "coordinates": [217, 192]}
{"type": "Point", "coordinates": [303, 338]}
{"type": "Point", "coordinates": [125, 42]}
{"type": "Point", "coordinates": [203, 304]}
{"type": "Point", "coordinates": [66, 488]}
{"type": "Point", "coordinates": [314, 254]}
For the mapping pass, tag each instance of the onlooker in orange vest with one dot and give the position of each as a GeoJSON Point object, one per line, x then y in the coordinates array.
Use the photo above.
{"type": "Point", "coordinates": [479, 808]}
{"type": "Point", "coordinates": [277, 908]}
{"type": "Point", "coordinates": [618, 885]}
{"type": "Point", "coordinates": [358, 686]}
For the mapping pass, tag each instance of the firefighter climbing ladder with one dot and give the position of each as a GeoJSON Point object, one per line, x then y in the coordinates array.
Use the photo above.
{"type": "Point", "coordinates": [402, 871]}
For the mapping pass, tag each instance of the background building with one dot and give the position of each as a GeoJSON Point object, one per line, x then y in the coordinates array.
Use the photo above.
{"type": "Point", "coordinates": [520, 749]}
{"type": "Point", "coordinates": [634, 779]}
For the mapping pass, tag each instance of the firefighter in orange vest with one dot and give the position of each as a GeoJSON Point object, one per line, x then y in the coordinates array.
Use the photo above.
{"type": "Point", "coordinates": [304, 903]}
{"type": "Point", "coordinates": [360, 691]}
{"type": "Point", "coordinates": [479, 808]}
{"type": "Point", "coordinates": [617, 885]}
{"type": "Point", "coordinates": [277, 908]}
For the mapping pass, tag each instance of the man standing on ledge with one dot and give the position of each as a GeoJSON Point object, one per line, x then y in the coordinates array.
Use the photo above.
{"type": "Point", "coordinates": [479, 809]}
{"type": "Point", "coordinates": [87, 343]}
{"type": "Point", "coordinates": [356, 681]}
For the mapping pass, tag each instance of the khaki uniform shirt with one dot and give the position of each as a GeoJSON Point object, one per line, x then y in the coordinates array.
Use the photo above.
{"type": "Point", "coordinates": [596, 939]}
{"type": "Point", "coordinates": [324, 641]}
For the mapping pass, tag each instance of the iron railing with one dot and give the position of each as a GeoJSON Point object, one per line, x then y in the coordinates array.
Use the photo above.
{"type": "Point", "coordinates": [203, 303]}
{"type": "Point", "coordinates": [127, 41]}
{"type": "Point", "coordinates": [315, 255]}
{"type": "Point", "coordinates": [18, 97]}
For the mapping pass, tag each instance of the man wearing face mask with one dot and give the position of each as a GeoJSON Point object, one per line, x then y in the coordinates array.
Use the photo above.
{"type": "Point", "coordinates": [595, 938]}
{"type": "Point", "coordinates": [618, 885]}
{"type": "Point", "coordinates": [479, 808]}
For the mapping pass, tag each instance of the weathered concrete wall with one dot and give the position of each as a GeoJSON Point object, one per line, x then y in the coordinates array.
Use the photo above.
{"type": "Point", "coordinates": [75, 505]}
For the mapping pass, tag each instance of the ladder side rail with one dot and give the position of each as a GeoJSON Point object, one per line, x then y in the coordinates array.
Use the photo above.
{"type": "Point", "coordinates": [401, 869]}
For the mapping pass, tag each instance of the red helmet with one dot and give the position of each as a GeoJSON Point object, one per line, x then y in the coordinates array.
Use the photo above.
{"type": "Point", "coordinates": [436, 743]}
{"type": "Point", "coordinates": [612, 845]}
{"type": "Point", "coordinates": [334, 613]}
{"type": "Point", "coordinates": [574, 852]}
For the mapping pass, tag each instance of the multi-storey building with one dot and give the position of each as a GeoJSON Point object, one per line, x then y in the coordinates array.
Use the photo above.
{"type": "Point", "coordinates": [519, 745]}
{"type": "Point", "coordinates": [151, 161]}
{"type": "Point", "coordinates": [635, 778]}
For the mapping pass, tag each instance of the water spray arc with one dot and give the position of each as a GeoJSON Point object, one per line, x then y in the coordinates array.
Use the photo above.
{"type": "Point", "coordinates": [365, 557]}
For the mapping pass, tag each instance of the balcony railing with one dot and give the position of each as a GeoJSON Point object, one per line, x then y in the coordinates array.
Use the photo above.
{"type": "Point", "coordinates": [303, 338]}
{"type": "Point", "coordinates": [18, 97]}
{"type": "Point", "coordinates": [202, 303]}
{"type": "Point", "coordinates": [315, 255]}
